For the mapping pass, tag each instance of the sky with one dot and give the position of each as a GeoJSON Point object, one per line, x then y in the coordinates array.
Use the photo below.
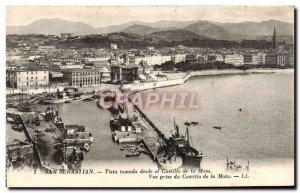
{"type": "Point", "coordinates": [103, 16]}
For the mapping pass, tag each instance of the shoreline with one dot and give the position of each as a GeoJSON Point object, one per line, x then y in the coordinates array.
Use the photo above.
{"type": "Point", "coordinates": [180, 78]}
{"type": "Point", "coordinates": [180, 75]}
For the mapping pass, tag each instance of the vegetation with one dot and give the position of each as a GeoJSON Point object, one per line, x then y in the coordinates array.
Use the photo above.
{"type": "Point", "coordinates": [127, 41]}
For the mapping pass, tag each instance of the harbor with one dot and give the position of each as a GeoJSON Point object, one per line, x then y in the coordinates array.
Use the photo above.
{"type": "Point", "coordinates": [151, 134]}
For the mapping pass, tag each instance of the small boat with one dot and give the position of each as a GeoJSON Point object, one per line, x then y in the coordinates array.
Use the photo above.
{"type": "Point", "coordinates": [194, 123]}
{"type": "Point", "coordinates": [133, 153]}
{"type": "Point", "coordinates": [215, 127]}
{"type": "Point", "coordinates": [88, 99]}
{"type": "Point", "coordinates": [187, 123]}
{"type": "Point", "coordinates": [10, 119]}
{"type": "Point", "coordinates": [18, 127]}
{"type": "Point", "coordinates": [240, 109]}
{"type": "Point", "coordinates": [128, 147]}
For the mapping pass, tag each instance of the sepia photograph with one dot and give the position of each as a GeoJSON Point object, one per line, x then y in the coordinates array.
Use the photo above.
{"type": "Point", "coordinates": [150, 96]}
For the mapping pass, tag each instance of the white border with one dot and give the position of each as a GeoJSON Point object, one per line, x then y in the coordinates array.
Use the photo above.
{"type": "Point", "coordinates": [110, 2]}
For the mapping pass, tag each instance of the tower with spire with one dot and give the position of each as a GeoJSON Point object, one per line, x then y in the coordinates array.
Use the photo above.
{"type": "Point", "coordinates": [274, 40]}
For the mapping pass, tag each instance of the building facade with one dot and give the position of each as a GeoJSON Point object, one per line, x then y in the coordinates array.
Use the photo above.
{"type": "Point", "coordinates": [46, 48]}
{"type": "Point", "coordinates": [271, 59]}
{"type": "Point", "coordinates": [82, 77]}
{"type": "Point", "coordinates": [27, 77]}
{"type": "Point", "coordinates": [178, 58]}
{"type": "Point", "coordinates": [124, 73]}
{"type": "Point", "coordinates": [234, 59]}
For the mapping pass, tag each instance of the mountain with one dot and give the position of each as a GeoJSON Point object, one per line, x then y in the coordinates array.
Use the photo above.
{"type": "Point", "coordinates": [263, 28]}
{"type": "Point", "coordinates": [140, 29]}
{"type": "Point", "coordinates": [169, 23]}
{"type": "Point", "coordinates": [52, 26]}
{"type": "Point", "coordinates": [202, 28]}
{"type": "Point", "coordinates": [174, 35]}
{"type": "Point", "coordinates": [208, 29]}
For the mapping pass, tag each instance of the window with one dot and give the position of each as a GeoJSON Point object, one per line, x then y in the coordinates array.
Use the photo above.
{"type": "Point", "coordinates": [27, 78]}
{"type": "Point", "coordinates": [36, 83]}
{"type": "Point", "coordinates": [36, 78]}
{"type": "Point", "coordinates": [44, 77]}
{"type": "Point", "coordinates": [27, 83]}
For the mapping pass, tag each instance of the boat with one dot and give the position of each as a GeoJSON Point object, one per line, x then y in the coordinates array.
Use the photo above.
{"type": "Point", "coordinates": [216, 127]}
{"type": "Point", "coordinates": [12, 118]}
{"type": "Point", "coordinates": [128, 147]}
{"type": "Point", "coordinates": [190, 156]}
{"type": "Point", "coordinates": [167, 158]}
{"type": "Point", "coordinates": [194, 123]}
{"type": "Point", "coordinates": [18, 127]}
{"type": "Point", "coordinates": [88, 99]}
{"type": "Point", "coordinates": [233, 166]}
{"type": "Point", "coordinates": [133, 153]}
{"type": "Point", "coordinates": [108, 96]}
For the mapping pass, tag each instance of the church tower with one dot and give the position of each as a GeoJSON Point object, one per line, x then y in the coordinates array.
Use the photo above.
{"type": "Point", "coordinates": [274, 40]}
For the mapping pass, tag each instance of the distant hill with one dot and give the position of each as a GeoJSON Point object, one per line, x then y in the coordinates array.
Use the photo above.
{"type": "Point", "coordinates": [174, 35]}
{"type": "Point", "coordinates": [208, 29]}
{"type": "Point", "coordinates": [52, 26]}
{"type": "Point", "coordinates": [140, 29]}
{"type": "Point", "coordinates": [264, 28]}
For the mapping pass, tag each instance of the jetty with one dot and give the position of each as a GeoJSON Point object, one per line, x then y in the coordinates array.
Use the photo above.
{"type": "Point", "coordinates": [148, 134]}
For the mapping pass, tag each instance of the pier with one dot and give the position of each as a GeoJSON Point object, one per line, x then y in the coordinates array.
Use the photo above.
{"type": "Point", "coordinates": [150, 135]}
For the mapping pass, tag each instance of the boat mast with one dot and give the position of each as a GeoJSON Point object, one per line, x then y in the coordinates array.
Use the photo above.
{"type": "Point", "coordinates": [187, 135]}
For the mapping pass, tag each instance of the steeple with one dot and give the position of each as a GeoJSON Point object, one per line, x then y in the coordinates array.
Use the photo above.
{"type": "Point", "coordinates": [274, 40]}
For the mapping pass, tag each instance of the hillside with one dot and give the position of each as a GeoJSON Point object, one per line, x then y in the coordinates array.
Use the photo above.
{"type": "Point", "coordinates": [175, 35]}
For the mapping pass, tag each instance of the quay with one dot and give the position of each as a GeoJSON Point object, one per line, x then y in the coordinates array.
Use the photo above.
{"type": "Point", "coordinates": [46, 136]}
{"type": "Point", "coordinates": [150, 135]}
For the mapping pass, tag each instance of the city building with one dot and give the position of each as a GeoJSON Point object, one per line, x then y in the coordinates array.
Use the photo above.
{"type": "Point", "coordinates": [27, 76]}
{"type": "Point", "coordinates": [271, 59]}
{"type": "Point", "coordinates": [248, 59]}
{"type": "Point", "coordinates": [82, 77]}
{"type": "Point", "coordinates": [71, 66]}
{"type": "Point", "coordinates": [66, 35]}
{"type": "Point", "coordinates": [191, 57]}
{"type": "Point", "coordinates": [100, 59]}
{"type": "Point", "coordinates": [128, 73]}
{"type": "Point", "coordinates": [113, 46]}
{"type": "Point", "coordinates": [234, 59]}
{"type": "Point", "coordinates": [283, 60]}
{"type": "Point", "coordinates": [178, 58]}
{"type": "Point", "coordinates": [46, 47]}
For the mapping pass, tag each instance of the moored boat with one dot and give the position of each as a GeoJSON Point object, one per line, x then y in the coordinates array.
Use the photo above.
{"type": "Point", "coordinates": [190, 156]}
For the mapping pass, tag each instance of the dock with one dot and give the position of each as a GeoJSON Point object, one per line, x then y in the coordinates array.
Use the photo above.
{"type": "Point", "coordinates": [42, 140]}
{"type": "Point", "coordinates": [150, 135]}
{"type": "Point", "coordinates": [46, 138]}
